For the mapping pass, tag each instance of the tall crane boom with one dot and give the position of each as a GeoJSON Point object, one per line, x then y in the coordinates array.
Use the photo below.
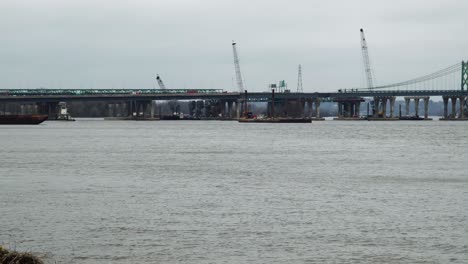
{"type": "Point", "coordinates": [160, 82]}
{"type": "Point", "coordinates": [240, 84]}
{"type": "Point", "coordinates": [365, 56]}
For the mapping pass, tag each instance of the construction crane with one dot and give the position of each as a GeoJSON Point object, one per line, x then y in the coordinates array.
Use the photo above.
{"type": "Point", "coordinates": [367, 65]}
{"type": "Point", "coordinates": [173, 105]}
{"type": "Point", "coordinates": [240, 84]}
{"type": "Point", "coordinates": [160, 82]}
{"type": "Point", "coordinates": [299, 80]}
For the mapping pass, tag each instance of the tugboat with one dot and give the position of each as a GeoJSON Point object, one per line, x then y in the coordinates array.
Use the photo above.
{"type": "Point", "coordinates": [63, 114]}
{"type": "Point", "coordinates": [22, 119]}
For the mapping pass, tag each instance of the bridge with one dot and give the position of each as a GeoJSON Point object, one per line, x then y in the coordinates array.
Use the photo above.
{"type": "Point", "coordinates": [450, 83]}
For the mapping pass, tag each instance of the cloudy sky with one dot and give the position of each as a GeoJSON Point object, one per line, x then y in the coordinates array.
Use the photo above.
{"type": "Point", "coordinates": [123, 44]}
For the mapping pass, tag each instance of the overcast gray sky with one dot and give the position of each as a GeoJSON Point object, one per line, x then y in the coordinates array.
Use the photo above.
{"type": "Point", "coordinates": [123, 44]}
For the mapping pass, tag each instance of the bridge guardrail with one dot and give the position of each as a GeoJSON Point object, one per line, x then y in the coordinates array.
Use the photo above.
{"type": "Point", "coordinates": [46, 92]}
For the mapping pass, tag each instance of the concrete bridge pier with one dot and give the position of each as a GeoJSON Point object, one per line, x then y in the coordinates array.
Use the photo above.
{"type": "Point", "coordinates": [129, 108]}
{"type": "Point", "coordinates": [239, 108]}
{"type": "Point", "coordinates": [111, 110]}
{"type": "Point", "coordinates": [317, 109]}
{"type": "Point", "coordinates": [381, 104]}
{"type": "Point", "coordinates": [139, 108]}
{"type": "Point", "coordinates": [426, 107]}
{"type": "Point", "coordinates": [454, 108]}
{"type": "Point", "coordinates": [233, 112]}
{"type": "Point", "coordinates": [340, 110]}
{"type": "Point", "coordinates": [453, 115]}
{"type": "Point", "coordinates": [293, 108]}
{"type": "Point", "coordinates": [152, 106]}
{"type": "Point", "coordinates": [308, 108]}
{"type": "Point", "coordinates": [416, 106]}
{"type": "Point", "coordinates": [384, 107]}
{"type": "Point", "coordinates": [407, 105]}
{"type": "Point", "coordinates": [392, 106]}
{"type": "Point", "coordinates": [348, 109]}
{"type": "Point", "coordinates": [376, 107]}
{"type": "Point", "coordinates": [229, 109]}
{"type": "Point", "coordinates": [445, 99]}
{"type": "Point", "coordinates": [357, 109]}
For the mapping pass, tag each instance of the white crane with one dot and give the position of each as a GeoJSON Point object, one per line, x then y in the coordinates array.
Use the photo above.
{"type": "Point", "coordinates": [160, 82]}
{"type": "Point", "coordinates": [367, 65]}
{"type": "Point", "coordinates": [240, 84]}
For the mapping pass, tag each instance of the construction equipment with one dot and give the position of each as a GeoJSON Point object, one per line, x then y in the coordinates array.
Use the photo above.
{"type": "Point", "coordinates": [173, 104]}
{"type": "Point", "coordinates": [240, 84]}
{"type": "Point", "coordinates": [299, 80]}
{"type": "Point", "coordinates": [367, 64]}
{"type": "Point", "coordinates": [160, 82]}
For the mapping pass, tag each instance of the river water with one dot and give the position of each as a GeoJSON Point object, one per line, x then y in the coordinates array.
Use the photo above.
{"type": "Point", "coordinates": [223, 192]}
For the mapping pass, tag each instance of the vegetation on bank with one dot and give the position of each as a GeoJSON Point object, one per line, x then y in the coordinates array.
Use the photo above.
{"type": "Point", "coordinates": [14, 257]}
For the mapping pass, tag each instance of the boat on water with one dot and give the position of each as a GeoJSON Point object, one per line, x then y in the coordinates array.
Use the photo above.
{"type": "Point", "coordinates": [411, 118]}
{"type": "Point", "coordinates": [275, 120]}
{"type": "Point", "coordinates": [22, 119]}
{"type": "Point", "coordinates": [249, 117]}
{"type": "Point", "coordinates": [170, 117]}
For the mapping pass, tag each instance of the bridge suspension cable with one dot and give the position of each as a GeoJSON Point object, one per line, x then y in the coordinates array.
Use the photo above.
{"type": "Point", "coordinates": [429, 77]}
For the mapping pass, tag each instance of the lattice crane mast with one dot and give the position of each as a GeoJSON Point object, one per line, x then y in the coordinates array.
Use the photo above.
{"type": "Point", "coordinates": [240, 84]}
{"type": "Point", "coordinates": [365, 56]}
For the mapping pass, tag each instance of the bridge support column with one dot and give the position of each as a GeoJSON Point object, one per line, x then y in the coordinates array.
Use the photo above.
{"type": "Point", "coordinates": [303, 107]}
{"type": "Point", "coordinates": [22, 112]}
{"type": "Point", "coordinates": [376, 106]}
{"type": "Point", "coordinates": [308, 113]}
{"type": "Point", "coordinates": [230, 103]}
{"type": "Point", "coordinates": [416, 106]}
{"type": "Point", "coordinates": [426, 107]}
{"type": "Point", "coordinates": [347, 109]}
{"type": "Point", "coordinates": [129, 108]}
{"type": "Point", "coordinates": [462, 106]}
{"type": "Point", "coordinates": [239, 108]}
{"type": "Point", "coordinates": [145, 105]}
{"type": "Point", "coordinates": [384, 107]}
{"type": "Point", "coordinates": [392, 106]}
{"type": "Point", "coordinates": [407, 105]}
{"type": "Point", "coordinates": [340, 109]}
{"type": "Point", "coordinates": [445, 99]}
{"type": "Point", "coordinates": [317, 108]}
{"type": "Point", "coordinates": [358, 109]}
{"type": "Point", "coordinates": [111, 110]}
{"type": "Point", "coordinates": [454, 107]}
{"type": "Point", "coordinates": [152, 106]}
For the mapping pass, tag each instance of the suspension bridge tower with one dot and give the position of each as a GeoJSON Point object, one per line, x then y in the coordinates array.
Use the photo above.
{"type": "Point", "coordinates": [464, 76]}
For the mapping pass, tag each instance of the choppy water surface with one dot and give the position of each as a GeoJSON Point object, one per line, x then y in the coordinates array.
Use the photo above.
{"type": "Point", "coordinates": [224, 192]}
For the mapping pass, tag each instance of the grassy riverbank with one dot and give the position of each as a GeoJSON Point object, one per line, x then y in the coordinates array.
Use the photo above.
{"type": "Point", "coordinates": [14, 257]}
